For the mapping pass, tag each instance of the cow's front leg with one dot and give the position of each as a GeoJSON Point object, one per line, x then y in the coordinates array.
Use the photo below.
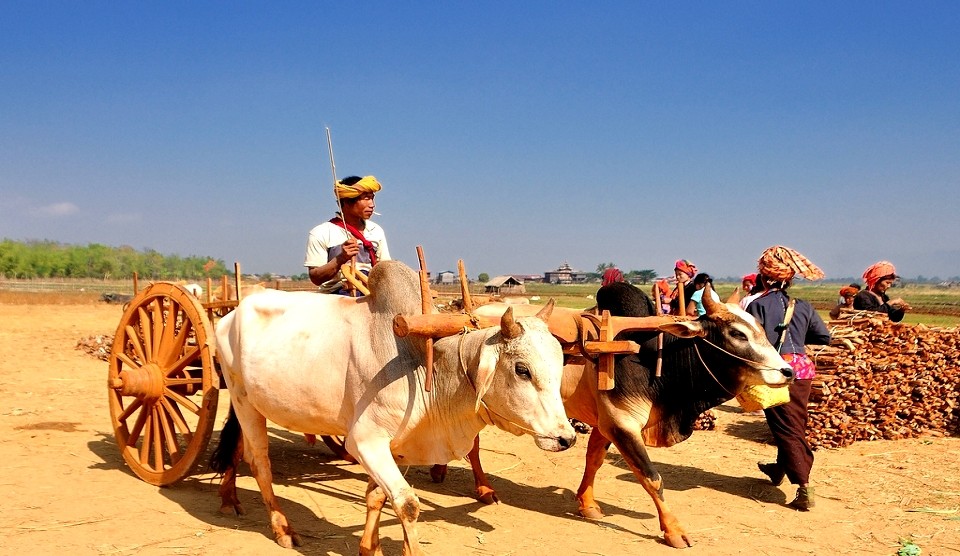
{"type": "Point", "coordinates": [378, 461]}
{"type": "Point", "coordinates": [370, 541]}
{"type": "Point", "coordinates": [597, 447]}
{"type": "Point", "coordinates": [634, 451]}
{"type": "Point", "coordinates": [481, 484]}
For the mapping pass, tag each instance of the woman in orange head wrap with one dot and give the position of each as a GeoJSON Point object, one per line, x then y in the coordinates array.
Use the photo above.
{"type": "Point", "coordinates": [788, 423]}
{"type": "Point", "coordinates": [879, 277]}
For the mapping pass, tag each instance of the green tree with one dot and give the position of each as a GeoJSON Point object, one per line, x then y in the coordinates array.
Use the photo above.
{"type": "Point", "coordinates": [483, 277]}
{"type": "Point", "coordinates": [641, 276]}
{"type": "Point", "coordinates": [45, 259]}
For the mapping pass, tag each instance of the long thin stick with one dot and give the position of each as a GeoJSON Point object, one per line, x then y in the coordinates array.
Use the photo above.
{"type": "Point", "coordinates": [343, 219]}
{"type": "Point", "coordinates": [333, 170]}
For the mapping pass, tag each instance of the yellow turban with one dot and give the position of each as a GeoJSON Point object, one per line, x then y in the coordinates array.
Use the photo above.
{"type": "Point", "coordinates": [782, 263]}
{"type": "Point", "coordinates": [367, 184]}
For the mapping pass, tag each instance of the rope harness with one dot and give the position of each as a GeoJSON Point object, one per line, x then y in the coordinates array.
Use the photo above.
{"type": "Point", "coordinates": [756, 365]}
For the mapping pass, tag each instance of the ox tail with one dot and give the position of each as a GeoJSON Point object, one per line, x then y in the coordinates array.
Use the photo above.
{"type": "Point", "coordinates": [222, 458]}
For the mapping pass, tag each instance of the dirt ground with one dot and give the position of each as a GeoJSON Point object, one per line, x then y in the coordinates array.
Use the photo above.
{"type": "Point", "coordinates": [64, 489]}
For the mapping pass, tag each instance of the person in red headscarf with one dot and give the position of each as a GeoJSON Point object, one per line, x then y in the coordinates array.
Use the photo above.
{"type": "Point", "coordinates": [666, 295]}
{"type": "Point", "coordinates": [847, 294]}
{"type": "Point", "coordinates": [684, 271]}
{"type": "Point", "coordinates": [878, 278]}
{"type": "Point", "coordinates": [612, 275]}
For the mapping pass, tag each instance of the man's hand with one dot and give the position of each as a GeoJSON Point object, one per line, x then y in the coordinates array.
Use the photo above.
{"type": "Point", "coordinates": [351, 248]}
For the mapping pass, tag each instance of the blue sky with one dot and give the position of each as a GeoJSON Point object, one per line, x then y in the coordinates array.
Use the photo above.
{"type": "Point", "coordinates": [513, 135]}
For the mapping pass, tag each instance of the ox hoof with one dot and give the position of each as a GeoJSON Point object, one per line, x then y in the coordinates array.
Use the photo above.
{"type": "Point", "coordinates": [438, 473]}
{"type": "Point", "coordinates": [593, 513]}
{"type": "Point", "coordinates": [487, 496]}
{"type": "Point", "coordinates": [232, 509]}
{"type": "Point", "coordinates": [677, 540]}
{"type": "Point", "coordinates": [290, 541]}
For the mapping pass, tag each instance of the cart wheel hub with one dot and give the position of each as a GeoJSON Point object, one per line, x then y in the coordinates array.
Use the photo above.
{"type": "Point", "coordinates": [145, 383]}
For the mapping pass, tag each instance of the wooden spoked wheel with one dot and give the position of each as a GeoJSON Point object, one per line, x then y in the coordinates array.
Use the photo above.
{"type": "Point", "coordinates": [162, 383]}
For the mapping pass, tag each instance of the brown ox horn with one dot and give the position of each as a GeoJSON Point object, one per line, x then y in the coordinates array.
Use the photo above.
{"type": "Point", "coordinates": [544, 314]}
{"type": "Point", "coordinates": [709, 304]}
{"type": "Point", "coordinates": [508, 325]}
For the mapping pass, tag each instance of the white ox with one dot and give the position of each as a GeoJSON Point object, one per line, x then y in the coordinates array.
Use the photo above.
{"type": "Point", "coordinates": [331, 365]}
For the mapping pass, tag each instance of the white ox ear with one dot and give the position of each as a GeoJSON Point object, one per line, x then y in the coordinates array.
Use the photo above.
{"type": "Point", "coordinates": [489, 357]}
{"type": "Point", "coordinates": [684, 329]}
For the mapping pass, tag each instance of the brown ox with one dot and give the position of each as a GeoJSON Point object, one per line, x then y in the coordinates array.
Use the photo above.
{"type": "Point", "coordinates": [705, 363]}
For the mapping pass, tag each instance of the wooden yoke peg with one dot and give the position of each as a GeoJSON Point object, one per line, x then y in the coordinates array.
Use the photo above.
{"type": "Point", "coordinates": [464, 288]}
{"type": "Point", "coordinates": [605, 360]}
{"type": "Point", "coordinates": [426, 300]}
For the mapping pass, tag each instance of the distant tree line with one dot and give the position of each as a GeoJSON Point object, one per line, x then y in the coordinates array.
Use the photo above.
{"type": "Point", "coordinates": [49, 259]}
{"type": "Point", "coordinates": [633, 276]}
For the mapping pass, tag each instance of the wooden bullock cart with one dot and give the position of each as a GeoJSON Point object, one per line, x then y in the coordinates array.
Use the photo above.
{"type": "Point", "coordinates": [163, 380]}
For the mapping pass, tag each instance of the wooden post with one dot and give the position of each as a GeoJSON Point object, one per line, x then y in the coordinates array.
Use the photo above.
{"type": "Point", "coordinates": [425, 306]}
{"type": "Point", "coordinates": [237, 278]}
{"type": "Point", "coordinates": [659, 353]}
{"type": "Point", "coordinates": [605, 361]}
{"type": "Point", "coordinates": [464, 287]}
{"type": "Point", "coordinates": [683, 302]}
{"type": "Point", "coordinates": [209, 289]}
{"type": "Point", "coordinates": [136, 283]}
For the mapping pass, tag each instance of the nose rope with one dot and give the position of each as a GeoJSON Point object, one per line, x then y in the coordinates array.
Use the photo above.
{"type": "Point", "coordinates": [755, 364]}
{"type": "Point", "coordinates": [696, 348]}
{"type": "Point", "coordinates": [488, 420]}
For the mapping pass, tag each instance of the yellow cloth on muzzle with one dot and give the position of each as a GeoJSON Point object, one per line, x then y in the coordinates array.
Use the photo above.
{"type": "Point", "coordinates": [760, 396]}
{"type": "Point", "coordinates": [367, 184]}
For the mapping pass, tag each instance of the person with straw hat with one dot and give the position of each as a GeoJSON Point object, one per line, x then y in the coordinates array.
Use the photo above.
{"type": "Point", "coordinates": [790, 324]}
{"type": "Point", "coordinates": [349, 236]}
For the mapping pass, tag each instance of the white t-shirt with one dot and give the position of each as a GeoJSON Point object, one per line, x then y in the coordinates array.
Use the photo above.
{"type": "Point", "coordinates": [325, 242]}
{"type": "Point", "coordinates": [746, 300]}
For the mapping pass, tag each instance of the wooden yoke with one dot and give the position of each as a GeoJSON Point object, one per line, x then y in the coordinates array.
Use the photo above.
{"type": "Point", "coordinates": [599, 343]}
{"type": "Point", "coordinates": [425, 303]}
{"type": "Point", "coordinates": [603, 348]}
{"type": "Point", "coordinates": [591, 334]}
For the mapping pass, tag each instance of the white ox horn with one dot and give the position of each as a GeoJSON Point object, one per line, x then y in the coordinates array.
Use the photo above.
{"type": "Point", "coordinates": [508, 325]}
{"type": "Point", "coordinates": [544, 314]}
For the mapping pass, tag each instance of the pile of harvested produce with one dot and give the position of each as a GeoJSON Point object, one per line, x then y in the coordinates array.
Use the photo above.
{"type": "Point", "coordinates": [97, 346]}
{"type": "Point", "coordinates": [884, 380]}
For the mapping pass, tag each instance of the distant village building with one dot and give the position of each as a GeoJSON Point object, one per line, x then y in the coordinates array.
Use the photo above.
{"type": "Point", "coordinates": [504, 285]}
{"type": "Point", "coordinates": [528, 278]}
{"type": "Point", "coordinates": [446, 277]}
{"type": "Point", "coordinates": [564, 274]}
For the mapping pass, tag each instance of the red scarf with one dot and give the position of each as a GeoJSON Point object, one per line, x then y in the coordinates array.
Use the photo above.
{"type": "Point", "coordinates": [367, 244]}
